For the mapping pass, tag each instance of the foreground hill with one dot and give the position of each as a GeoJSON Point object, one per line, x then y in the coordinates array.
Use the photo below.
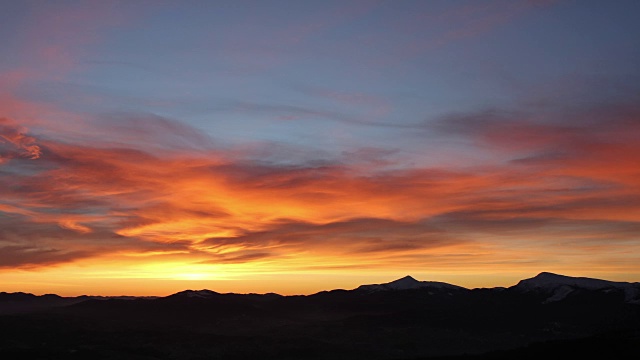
{"type": "Point", "coordinates": [402, 319]}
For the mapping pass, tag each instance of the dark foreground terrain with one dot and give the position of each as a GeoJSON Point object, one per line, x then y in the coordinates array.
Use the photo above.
{"type": "Point", "coordinates": [548, 315]}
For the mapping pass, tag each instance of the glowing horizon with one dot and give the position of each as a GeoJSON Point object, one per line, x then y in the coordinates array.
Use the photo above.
{"type": "Point", "coordinates": [276, 146]}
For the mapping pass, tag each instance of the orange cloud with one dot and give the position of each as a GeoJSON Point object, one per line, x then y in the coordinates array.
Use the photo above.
{"type": "Point", "coordinates": [567, 194]}
{"type": "Point", "coordinates": [71, 225]}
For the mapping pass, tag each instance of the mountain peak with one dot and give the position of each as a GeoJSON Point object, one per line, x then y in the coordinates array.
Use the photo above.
{"type": "Point", "coordinates": [204, 293]}
{"type": "Point", "coordinates": [408, 277]}
{"type": "Point", "coordinates": [408, 283]}
{"type": "Point", "coordinates": [550, 275]}
{"type": "Point", "coordinates": [405, 280]}
{"type": "Point", "coordinates": [559, 286]}
{"type": "Point", "coordinates": [551, 280]}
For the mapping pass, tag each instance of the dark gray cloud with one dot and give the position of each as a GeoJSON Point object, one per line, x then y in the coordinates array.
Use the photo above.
{"type": "Point", "coordinates": [20, 256]}
{"type": "Point", "coordinates": [355, 236]}
{"type": "Point", "coordinates": [31, 242]}
{"type": "Point", "coordinates": [539, 223]}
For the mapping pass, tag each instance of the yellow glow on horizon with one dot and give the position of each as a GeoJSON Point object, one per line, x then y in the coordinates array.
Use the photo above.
{"type": "Point", "coordinates": [304, 273]}
{"type": "Point", "coordinates": [191, 277]}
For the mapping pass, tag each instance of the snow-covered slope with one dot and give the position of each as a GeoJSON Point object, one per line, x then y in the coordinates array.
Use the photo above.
{"type": "Point", "coordinates": [407, 283]}
{"type": "Point", "coordinates": [560, 286]}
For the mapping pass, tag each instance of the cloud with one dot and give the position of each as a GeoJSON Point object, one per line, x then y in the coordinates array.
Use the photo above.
{"type": "Point", "coordinates": [238, 257]}
{"type": "Point", "coordinates": [15, 143]}
{"type": "Point", "coordinates": [149, 132]}
{"type": "Point", "coordinates": [369, 117]}
{"type": "Point", "coordinates": [28, 243]}
{"type": "Point", "coordinates": [549, 229]}
{"type": "Point", "coordinates": [353, 235]}
{"type": "Point", "coordinates": [600, 142]}
{"type": "Point", "coordinates": [38, 239]}
{"type": "Point", "coordinates": [72, 225]}
{"type": "Point", "coordinates": [185, 197]}
{"type": "Point", "coordinates": [356, 241]}
{"type": "Point", "coordinates": [555, 178]}
{"type": "Point", "coordinates": [24, 256]}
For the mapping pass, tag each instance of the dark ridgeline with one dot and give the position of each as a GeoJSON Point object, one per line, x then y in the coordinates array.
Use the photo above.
{"type": "Point", "coordinates": [547, 315]}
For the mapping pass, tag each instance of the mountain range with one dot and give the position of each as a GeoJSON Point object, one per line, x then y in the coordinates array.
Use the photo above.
{"type": "Point", "coordinates": [402, 319]}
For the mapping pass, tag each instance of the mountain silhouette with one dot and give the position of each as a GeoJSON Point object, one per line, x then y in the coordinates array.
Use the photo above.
{"type": "Point", "coordinates": [407, 283]}
{"type": "Point", "coordinates": [401, 319]}
{"type": "Point", "coordinates": [558, 287]}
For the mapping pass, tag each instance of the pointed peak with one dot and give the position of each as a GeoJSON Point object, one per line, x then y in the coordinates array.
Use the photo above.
{"type": "Point", "coordinates": [407, 279]}
{"type": "Point", "coordinates": [406, 282]}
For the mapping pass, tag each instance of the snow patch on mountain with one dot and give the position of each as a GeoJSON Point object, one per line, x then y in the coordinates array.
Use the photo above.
{"type": "Point", "coordinates": [559, 294]}
{"type": "Point", "coordinates": [560, 286]}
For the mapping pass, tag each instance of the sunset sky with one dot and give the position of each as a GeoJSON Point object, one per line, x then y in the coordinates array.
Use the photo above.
{"type": "Point", "coordinates": [148, 147]}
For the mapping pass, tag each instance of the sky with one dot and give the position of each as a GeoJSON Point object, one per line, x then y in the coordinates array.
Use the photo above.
{"type": "Point", "coordinates": [147, 147]}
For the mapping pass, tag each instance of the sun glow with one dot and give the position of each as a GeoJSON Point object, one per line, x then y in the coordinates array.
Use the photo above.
{"type": "Point", "coordinates": [192, 277]}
